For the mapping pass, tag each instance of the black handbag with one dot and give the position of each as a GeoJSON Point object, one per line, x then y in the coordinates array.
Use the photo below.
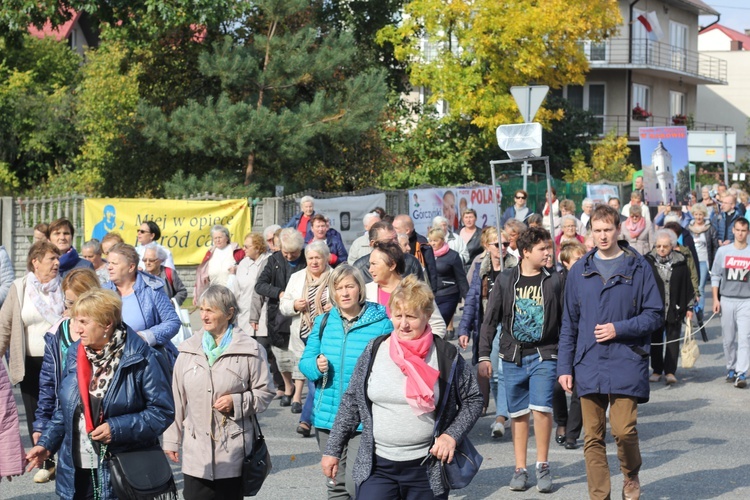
{"type": "Point", "coordinates": [466, 459]}
{"type": "Point", "coordinates": [257, 465]}
{"type": "Point", "coordinates": [142, 475]}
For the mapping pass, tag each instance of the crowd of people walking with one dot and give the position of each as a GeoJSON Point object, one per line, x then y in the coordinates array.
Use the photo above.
{"type": "Point", "coordinates": [358, 343]}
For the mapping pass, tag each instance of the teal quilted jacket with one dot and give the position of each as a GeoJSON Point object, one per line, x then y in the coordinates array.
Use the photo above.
{"type": "Point", "coordinates": [342, 351]}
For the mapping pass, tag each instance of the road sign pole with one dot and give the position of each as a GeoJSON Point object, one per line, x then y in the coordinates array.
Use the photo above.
{"type": "Point", "coordinates": [497, 215]}
{"type": "Point", "coordinates": [525, 172]}
{"type": "Point", "coordinates": [726, 163]}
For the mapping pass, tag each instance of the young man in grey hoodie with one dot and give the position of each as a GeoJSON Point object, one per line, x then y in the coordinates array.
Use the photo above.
{"type": "Point", "coordinates": [729, 277]}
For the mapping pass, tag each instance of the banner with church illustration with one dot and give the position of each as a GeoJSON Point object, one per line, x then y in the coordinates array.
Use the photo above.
{"type": "Point", "coordinates": [664, 158]}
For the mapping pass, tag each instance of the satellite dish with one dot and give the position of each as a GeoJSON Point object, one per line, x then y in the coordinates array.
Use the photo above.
{"type": "Point", "coordinates": [521, 140]}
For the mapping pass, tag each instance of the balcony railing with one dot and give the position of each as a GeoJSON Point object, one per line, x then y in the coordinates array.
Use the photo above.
{"type": "Point", "coordinates": [619, 123]}
{"type": "Point", "coordinates": [616, 52]}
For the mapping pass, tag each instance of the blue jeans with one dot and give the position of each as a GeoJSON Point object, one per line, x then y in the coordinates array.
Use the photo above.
{"type": "Point", "coordinates": [497, 382]}
{"type": "Point", "coordinates": [530, 386]}
{"type": "Point", "coordinates": [703, 271]}
{"type": "Point", "coordinates": [307, 408]}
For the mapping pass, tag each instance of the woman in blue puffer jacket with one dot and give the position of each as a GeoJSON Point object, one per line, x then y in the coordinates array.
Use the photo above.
{"type": "Point", "coordinates": [337, 340]}
{"type": "Point", "coordinates": [146, 308]}
{"type": "Point", "coordinates": [57, 342]}
{"type": "Point", "coordinates": [115, 397]}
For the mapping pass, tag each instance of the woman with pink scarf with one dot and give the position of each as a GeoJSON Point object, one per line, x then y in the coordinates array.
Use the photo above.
{"type": "Point", "coordinates": [638, 232]}
{"type": "Point", "coordinates": [396, 388]}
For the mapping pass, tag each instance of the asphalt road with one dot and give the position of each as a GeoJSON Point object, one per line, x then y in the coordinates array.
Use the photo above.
{"type": "Point", "coordinates": [693, 440]}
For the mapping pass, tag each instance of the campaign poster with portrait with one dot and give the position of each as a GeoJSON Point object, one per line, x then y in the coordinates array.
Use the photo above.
{"type": "Point", "coordinates": [664, 157]}
{"type": "Point", "coordinates": [601, 193]}
{"type": "Point", "coordinates": [450, 202]}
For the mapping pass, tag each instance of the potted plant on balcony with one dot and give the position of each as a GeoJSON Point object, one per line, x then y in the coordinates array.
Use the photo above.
{"type": "Point", "coordinates": [679, 120]}
{"type": "Point", "coordinates": [640, 114]}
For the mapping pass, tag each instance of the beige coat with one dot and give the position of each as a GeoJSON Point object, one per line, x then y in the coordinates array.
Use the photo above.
{"type": "Point", "coordinates": [12, 331]}
{"type": "Point", "coordinates": [212, 445]}
{"type": "Point", "coordinates": [436, 320]}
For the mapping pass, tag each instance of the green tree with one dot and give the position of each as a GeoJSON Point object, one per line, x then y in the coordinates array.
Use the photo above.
{"type": "Point", "coordinates": [478, 50]}
{"type": "Point", "coordinates": [609, 160]}
{"type": "Point", "coordinates": [571, 133]}
{"type": "Point", "coordinates": [284, 89]}
{"type": "Point", "coordinates": [37, 132]}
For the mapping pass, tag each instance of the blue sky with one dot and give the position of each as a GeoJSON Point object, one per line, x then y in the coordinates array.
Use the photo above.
{"type": "Point", "coordinates": [735, 14]}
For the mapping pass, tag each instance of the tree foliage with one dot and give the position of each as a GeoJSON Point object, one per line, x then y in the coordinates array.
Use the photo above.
{"type": "Point", "coordinates": [478, 50]}
{"type": "Point", "coordinates": [567, 134]}
{"type": "Point", "coordinates": [609, 160]}
{"type": "Point", "coordinates": [282, 89]}
{"type": "Point", "coordinates": [37, 132]}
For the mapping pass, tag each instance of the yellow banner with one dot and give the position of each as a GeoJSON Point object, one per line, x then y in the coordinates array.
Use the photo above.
{"type": "Point", "coordinates": [185, 225]}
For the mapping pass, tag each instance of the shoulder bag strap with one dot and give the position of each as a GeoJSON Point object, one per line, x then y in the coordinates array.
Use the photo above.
{"type": "Point", "coordinates": [323, 325]}
{"type": "Point", "coordinates": [445, 396]}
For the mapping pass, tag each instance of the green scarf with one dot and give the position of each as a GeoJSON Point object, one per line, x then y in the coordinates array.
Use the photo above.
{"type": "Point", "coordinates": [212, 350]}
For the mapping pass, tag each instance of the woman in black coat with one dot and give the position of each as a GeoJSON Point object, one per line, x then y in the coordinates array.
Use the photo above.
{"type": "Point", "coordinates": [669, 267]}
{"type": "Point", "coordinates": [452, 283]}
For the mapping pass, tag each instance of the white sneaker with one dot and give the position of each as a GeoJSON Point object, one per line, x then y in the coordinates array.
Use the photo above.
{"type": "Point", "coordinates": [44, 475]}
{"type": "Point", "coordinates": [498, 429]}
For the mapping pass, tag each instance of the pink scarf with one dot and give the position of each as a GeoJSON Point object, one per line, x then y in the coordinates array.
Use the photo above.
{"type": "Point", "coordinates": [636, 229]}
{"type": "Point", "coordinates": [409, 356]}
{"type": "Point", "coordinates": [442, 250]}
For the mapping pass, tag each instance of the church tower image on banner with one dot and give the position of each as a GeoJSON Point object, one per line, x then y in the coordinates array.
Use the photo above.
{"type": "Point", "coordinates": [661, 175]}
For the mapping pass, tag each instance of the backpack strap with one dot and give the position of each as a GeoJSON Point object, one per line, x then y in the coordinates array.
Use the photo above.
{"type": "Point", "coordinates": [323, 325]}
{"type": "Point", "coordinates": [168, 272]}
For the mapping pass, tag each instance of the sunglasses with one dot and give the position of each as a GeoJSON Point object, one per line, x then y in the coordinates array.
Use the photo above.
{"type": "Point", "coordinates": [150, 261]}
{"type": "Point", "coordinates": [520, 197]}
{"type": "Point", "coordinates": [506, 244]}
{"type": "Point", "coordinates": [141, 231]}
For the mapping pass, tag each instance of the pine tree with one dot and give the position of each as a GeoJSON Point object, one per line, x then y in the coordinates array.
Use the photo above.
{"type": "Point", "coordinates": [285, 88]}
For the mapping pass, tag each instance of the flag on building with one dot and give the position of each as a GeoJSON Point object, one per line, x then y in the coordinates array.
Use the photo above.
{"type": "Point", "coordinates": [651, 23]}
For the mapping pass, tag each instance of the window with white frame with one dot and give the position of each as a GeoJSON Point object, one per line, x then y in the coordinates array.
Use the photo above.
{"type": "Point", "coordinates": [677, 105]}
{"type": "Point", "coordinates": [591, 97]}
{"type": "Point", "coordinates": [641, 101]}
{"type": "Point", "coordinates": [678, 42]}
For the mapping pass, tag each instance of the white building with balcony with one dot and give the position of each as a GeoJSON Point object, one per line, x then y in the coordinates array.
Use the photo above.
{"type": "Point", "coordinates": [631, 70]}
{"type": "Point", "coordinates": [730, 103]}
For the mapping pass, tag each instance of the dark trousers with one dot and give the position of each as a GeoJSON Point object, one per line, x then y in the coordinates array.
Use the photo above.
{"type": "Point", "coordinates": [30, 389]}
{"type": "Point", "coordinates": [204, 489]}
{"type": "Point", "coordinates": [571, 418]}
{"type": "Point", "coordinates": [397, 481]}
{"type": "Point", "coordinates": [83, 484]}
{"type": "Point", "coordinates": [661, 362]}
{"type": "Point", "coordinates": [278, 380]}
{"type": "Point", "coordinates": [447, 306]}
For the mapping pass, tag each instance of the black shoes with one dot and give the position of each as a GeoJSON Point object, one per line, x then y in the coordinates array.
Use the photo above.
{"type": "Point", "coordinates": [286, 400]}
{"type": "Point", "coordinates": [571, 445]}
{"type": "Point", "coordinates": [296, 407]}
{"type": "Point", "coordinates": [304, 429]}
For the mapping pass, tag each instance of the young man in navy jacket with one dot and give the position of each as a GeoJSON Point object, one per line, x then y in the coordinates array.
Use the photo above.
{"type": "Point", "coordinates": [612, 305]}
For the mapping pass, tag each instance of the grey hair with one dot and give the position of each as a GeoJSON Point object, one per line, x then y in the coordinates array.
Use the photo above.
{"type": "Point", "coordinates": [339, 274]}
{"type": "Point", "coordinates": [666, 233]}
{"type": "Point", "coordinates": [569, 217]}
{"type": "Point", "coordinates": [438, 221]}
{"type": "Point", "coordinates": [291, 240]}
{"type": "Point", "coordinates": [319, 247]}
{"type": "Point", "coordinates": [370, 217]}
{"type": "Point", "coordinates": [514, 225]}
{"type": "Point", "coordinates": [223, 299]}
{"type": "Point", "coordinates": [128, 252]}
{"type": "Point", "coordinates": [305, 199]}
{"type": "Point", "coordinates": [636, 209]}
{"type": "Point", "coordinates": [218, 228]}
{"type": "Point", "coordinates": [161, 254]}
{"type": "Point", "coordinates": [270, 231]}
{"type": "Point", "coordinates": [587, 201]}
{"type": "Point", "coordinates": [699, 207]}
{"type": "Point", "coordinates": [95, 246]}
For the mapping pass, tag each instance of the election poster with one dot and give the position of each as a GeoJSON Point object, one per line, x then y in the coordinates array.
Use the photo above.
{"type": "Point", "coordinates": [185, 225]}
{"type": "Point", "coordinates": [664, 157]}
{"type": "Point", "coordinates": [450, 202]}
{"type": "Point", "coordinates": [346, 213]}
{"type": "Point", "coordinates": [601, 193]}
